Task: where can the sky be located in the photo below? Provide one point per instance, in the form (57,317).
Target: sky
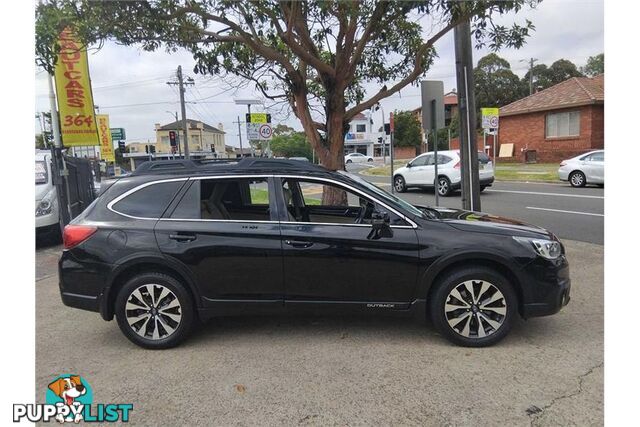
(131,85)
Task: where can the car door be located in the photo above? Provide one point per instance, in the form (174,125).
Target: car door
(596,168)
(225,231)
(418,173)
(330,257)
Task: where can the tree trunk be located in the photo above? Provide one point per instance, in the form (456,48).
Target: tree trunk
(334,160)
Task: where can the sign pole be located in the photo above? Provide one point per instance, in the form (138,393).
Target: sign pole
(435,150)
(391,131)
(59,166)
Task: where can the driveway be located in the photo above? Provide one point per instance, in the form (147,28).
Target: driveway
(337,370)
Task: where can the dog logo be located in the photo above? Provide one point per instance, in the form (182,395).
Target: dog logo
(72,392)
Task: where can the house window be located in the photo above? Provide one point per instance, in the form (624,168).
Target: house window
(563,124)
(361,128)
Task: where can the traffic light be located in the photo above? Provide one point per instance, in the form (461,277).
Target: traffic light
(121,146)
(387,128)
(146,149)
(379,140)
(152,149)
(172,138)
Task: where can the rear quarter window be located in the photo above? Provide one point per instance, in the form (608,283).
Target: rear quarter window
(150,201)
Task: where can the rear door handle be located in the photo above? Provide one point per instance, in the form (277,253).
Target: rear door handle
(298,243)
(183,237)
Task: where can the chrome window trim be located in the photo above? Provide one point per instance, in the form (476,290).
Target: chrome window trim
(244,176)
(133,190)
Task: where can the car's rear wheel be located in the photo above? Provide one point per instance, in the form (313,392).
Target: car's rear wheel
(348,161)
(370,160)
(577,179)
(473,307)
(154,310)
(399,184)
(444,186)
(482,187)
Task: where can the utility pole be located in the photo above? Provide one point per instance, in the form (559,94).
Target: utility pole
(531,62)
(181,84)
(466,101)
(240,136)
(60,171)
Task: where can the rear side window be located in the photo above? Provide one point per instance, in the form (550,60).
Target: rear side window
(149,201)
(243,199)
(442,159)
(483,158)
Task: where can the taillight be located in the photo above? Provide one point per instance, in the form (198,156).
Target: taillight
(456,166)
(75,234)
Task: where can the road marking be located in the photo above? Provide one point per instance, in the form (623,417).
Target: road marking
(545,194)
(561,211)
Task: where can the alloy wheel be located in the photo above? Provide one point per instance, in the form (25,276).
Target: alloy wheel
(577,179)
(399,184)
(475,309)
(153,311)
(443,186)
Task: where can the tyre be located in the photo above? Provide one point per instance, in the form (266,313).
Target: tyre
(370,160)
(444,186)
(154,311)
(348,161)
(399,184)
(482,187)
(473,306)
(577,179)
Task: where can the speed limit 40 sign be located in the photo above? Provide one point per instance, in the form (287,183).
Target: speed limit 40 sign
(265,131)
(490,118)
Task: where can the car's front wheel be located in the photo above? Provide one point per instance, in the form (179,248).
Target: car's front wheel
(473,306)
(444,186)
(349,161)
(154,310)
(577,179)
(399,184)
(370,160)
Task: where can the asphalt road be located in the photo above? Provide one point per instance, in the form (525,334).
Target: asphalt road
(337,370)
(570,213)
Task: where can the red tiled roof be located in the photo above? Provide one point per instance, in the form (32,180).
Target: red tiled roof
(359,116)
(573,92)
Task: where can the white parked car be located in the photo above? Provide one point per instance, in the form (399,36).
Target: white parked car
(47,213)
(584,169)
(357,158)
(420,172)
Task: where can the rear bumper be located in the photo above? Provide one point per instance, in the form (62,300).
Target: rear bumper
(82,285)
(484,182)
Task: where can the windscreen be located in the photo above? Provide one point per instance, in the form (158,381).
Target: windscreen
(41,172)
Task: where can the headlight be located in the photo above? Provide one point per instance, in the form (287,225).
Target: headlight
(549,249)
(45,206)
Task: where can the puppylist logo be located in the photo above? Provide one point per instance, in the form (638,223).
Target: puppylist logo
(69,398)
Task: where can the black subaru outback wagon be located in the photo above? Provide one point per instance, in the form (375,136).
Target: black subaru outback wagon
(178,241)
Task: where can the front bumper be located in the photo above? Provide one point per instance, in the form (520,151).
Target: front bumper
(549,287)
(563,174)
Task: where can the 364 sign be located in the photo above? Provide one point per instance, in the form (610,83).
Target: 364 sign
(73,90)
(490,118)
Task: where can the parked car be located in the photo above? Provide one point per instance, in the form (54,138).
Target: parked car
(357,158)
(47,213)
(420,172)
(301,159)
(183,240)
(583,169)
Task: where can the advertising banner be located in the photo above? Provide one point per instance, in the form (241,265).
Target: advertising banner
(73,91)
(106,143)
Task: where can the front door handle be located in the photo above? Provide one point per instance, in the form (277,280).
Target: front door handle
(298,243)
(183,237)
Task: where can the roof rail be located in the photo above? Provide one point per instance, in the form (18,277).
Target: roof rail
(154,167)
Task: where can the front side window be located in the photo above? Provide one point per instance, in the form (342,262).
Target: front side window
(41,173)
(563,124)
(419,161)
(320,202)
(150,201)
(597,157)
(242,199)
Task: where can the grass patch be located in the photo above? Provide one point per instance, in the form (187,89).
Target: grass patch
(259,197)
(541,172)
(384,170)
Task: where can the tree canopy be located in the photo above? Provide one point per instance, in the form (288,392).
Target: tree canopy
(313,55)
(495,84)
(407,130)
(594,66)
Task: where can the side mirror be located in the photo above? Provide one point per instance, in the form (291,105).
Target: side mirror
(409,165)
(380,225)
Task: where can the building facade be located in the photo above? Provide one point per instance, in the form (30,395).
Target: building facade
(203,138)
(557,123)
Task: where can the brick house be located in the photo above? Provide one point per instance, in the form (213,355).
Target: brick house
(559,122)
